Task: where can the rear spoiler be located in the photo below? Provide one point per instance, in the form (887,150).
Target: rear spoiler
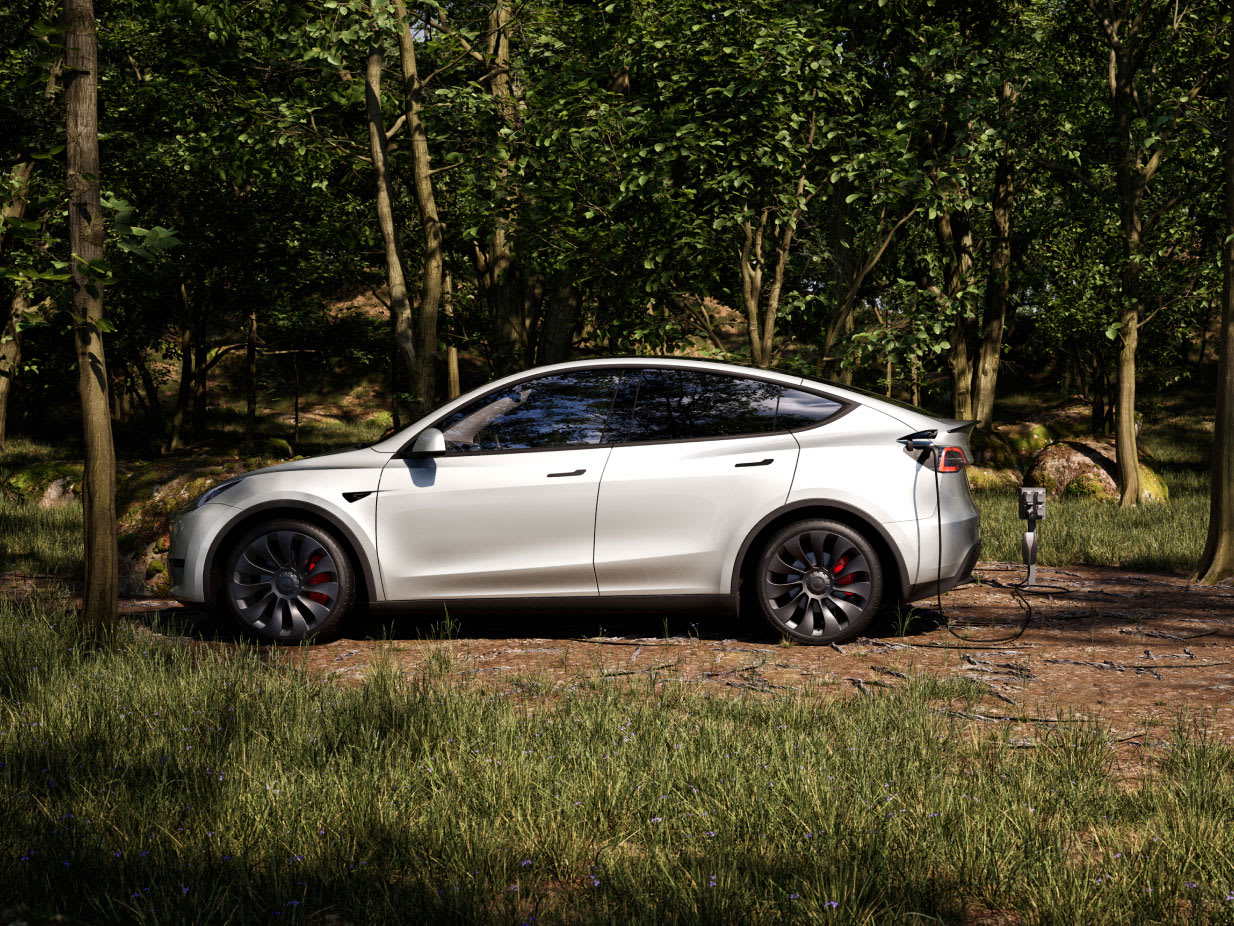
(958,426)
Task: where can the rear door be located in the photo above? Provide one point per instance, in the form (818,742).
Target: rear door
(509,508)
(700,463)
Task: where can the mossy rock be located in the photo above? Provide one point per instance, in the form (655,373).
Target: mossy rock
(991,477)
(1087,485)
(33,481)
(1088,468)
(278,447)
(1152,485)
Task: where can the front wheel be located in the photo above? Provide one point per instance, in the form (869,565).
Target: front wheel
(819,581)
(287,581)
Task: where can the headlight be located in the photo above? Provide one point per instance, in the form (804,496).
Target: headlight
(214,493)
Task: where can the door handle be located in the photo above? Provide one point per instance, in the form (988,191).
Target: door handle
(577,472)
(754,463)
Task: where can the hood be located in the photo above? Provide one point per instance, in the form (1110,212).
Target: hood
(351,458)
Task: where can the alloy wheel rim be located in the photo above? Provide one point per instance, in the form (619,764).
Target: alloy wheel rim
(285,583)
(817,583)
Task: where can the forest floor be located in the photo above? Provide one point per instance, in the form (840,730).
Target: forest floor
(1130,652)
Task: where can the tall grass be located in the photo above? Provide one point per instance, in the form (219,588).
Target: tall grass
(151,782)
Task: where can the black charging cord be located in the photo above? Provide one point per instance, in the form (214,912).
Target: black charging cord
(1019,591)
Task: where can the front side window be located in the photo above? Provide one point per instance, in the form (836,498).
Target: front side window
(563,410)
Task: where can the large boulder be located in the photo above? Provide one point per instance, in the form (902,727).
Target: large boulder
(1087,467)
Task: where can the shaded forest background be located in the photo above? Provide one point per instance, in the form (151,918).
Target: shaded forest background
(930,199)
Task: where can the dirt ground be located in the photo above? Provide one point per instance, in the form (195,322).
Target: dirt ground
(1132,652)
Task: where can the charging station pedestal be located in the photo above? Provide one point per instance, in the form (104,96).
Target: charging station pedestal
(1032,510)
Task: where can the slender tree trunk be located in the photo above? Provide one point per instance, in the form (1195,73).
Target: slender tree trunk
(501,280)
(201,371)
(955,238)
(184,394)
(400,304)
(557,333)
(250,405)
(994,315)
(154,407)
(1097,417)
(10,337)
(10,356)
(295,402)
(452,385)
(15,208)
(86,237)
(1217,563)
(422,184)
(1130,187)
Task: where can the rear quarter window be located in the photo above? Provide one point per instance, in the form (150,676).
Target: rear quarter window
(800,409)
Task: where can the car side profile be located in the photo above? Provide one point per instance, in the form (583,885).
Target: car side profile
(612,483)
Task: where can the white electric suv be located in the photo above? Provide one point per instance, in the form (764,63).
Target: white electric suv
(618,483)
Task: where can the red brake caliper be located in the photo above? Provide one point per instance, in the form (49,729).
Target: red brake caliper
(319,597)
(838,568)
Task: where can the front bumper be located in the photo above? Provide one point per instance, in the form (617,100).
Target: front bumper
(192,533)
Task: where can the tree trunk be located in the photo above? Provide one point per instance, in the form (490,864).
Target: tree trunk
(500,279)
(184,394)
(154,407)
(1097,417)
(400,304)
(557,332)
(994,315)
(200,370)
(86,237)
(422,184)
(15,208)
(250,405)
(955,238)
(10,356)
(295,402)
(1217,563)
(452,385)
(1131,183)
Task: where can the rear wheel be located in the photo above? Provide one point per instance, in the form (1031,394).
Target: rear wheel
(287,581)
(819,581)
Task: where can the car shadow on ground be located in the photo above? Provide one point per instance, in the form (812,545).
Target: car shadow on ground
(615,626)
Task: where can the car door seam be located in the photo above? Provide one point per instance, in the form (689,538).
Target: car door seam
(595,519)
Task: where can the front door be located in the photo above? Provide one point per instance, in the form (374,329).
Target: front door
(509,509)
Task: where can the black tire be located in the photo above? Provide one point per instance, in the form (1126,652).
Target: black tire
(288,580)
(801,593)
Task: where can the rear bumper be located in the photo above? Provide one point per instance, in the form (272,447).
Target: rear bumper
(947,583)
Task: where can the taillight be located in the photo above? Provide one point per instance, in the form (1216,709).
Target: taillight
(951,460)
(941,459)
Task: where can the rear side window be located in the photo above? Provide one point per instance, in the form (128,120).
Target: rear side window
(801,409)
(686,404)
(671,405)
(564,410)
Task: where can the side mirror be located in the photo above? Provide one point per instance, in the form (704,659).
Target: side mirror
(429,443)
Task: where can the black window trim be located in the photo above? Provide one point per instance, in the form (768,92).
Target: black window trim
(846,406)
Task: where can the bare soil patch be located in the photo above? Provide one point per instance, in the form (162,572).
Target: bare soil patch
(1129,651)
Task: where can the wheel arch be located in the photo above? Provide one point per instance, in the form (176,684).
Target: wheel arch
(212,571)
(888,553)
